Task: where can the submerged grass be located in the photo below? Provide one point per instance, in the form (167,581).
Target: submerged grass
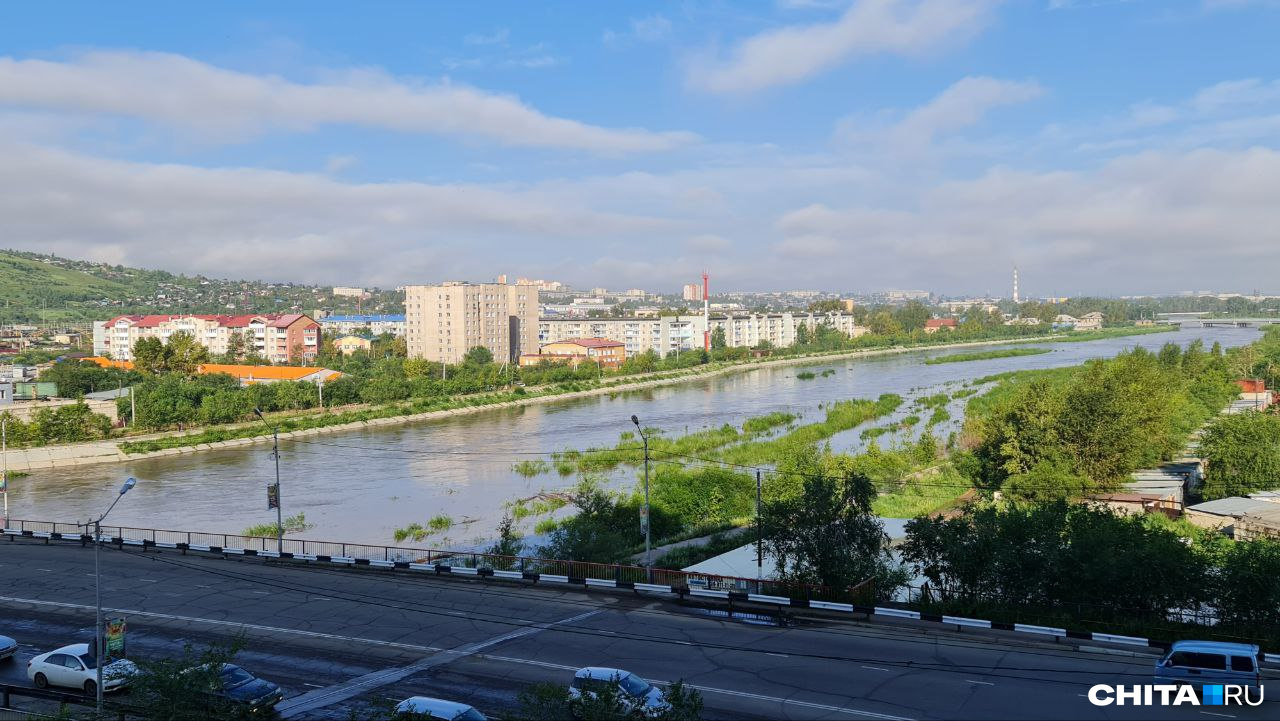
(986,355)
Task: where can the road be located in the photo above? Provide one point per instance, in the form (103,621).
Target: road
(337,638)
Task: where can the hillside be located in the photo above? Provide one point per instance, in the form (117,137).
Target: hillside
(36,287)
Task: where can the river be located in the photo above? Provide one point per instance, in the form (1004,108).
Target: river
(359,486)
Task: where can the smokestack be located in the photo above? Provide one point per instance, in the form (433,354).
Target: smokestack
(1015,284)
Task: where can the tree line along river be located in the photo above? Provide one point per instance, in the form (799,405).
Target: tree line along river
(360,486)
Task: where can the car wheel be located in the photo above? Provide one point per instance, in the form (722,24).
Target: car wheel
(90,688)
(41,681)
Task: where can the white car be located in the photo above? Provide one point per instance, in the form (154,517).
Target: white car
(435,708)
(633,691)
(74,667)
(8,647)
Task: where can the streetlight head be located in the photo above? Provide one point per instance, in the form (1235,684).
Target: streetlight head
(129,483)
(636,421)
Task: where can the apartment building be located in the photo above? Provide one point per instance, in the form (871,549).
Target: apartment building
(443,322)
(607,353)
(377,324)
(779,329)
(668,334)
(663,335)
(280,338)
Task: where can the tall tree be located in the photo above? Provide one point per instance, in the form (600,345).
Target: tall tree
(150,356)
(184,354)
(828,535)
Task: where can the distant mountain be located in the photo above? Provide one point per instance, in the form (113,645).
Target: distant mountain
(35,287)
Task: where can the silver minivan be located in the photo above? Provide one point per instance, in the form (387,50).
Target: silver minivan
(1210,662)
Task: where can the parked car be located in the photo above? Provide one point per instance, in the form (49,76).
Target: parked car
(633,691)
(8,647)
(75,667)
(235,685)
(1210,662)
(435,708)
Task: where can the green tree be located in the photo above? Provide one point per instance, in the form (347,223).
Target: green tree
(828,535)
(718,340)
(1242,454)
(478,356)
(184,688)
(149,356)
(184,354)
(826,306)
(912,315)
(883,323)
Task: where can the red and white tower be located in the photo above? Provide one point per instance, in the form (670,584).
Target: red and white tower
(706,312)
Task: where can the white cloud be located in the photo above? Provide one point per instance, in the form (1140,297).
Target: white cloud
(794,53)
(498,37)
(242,222)
(906,135)
(964,104)
(220,104)
(1141,222)
(1235,93)
(652,29)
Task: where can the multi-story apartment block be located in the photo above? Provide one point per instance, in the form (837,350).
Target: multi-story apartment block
(692,291)
(377,324)
(280,338)
(443,322)
(668,334)
(663,335)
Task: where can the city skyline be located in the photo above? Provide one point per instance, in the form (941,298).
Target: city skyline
(1103,148)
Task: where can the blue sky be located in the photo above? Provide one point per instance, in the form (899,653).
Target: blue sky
(1121,146)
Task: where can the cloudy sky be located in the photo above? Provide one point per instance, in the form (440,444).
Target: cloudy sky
(1104,146)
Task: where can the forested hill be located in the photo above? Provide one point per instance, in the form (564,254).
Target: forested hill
(36,287)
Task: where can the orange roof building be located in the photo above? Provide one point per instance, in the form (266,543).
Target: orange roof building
(246,374)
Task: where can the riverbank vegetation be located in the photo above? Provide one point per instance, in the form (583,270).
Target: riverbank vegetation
(292,524)
(1062,564)
(1070,432)
(986,355)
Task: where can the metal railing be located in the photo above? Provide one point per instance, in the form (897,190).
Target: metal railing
(861,595)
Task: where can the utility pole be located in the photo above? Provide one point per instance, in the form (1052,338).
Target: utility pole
(99,646)
(275,451)
(4,472)
(759,538)
(644,520)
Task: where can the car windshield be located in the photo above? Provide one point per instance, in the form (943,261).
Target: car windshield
(470,715)
(634,685)
(233,676)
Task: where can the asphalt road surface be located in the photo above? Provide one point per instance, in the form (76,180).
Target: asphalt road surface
(336,639)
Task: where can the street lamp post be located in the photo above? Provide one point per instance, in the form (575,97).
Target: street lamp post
(648,557)
(275,451)
(99,645)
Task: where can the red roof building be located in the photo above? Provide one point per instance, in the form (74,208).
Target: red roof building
(933,325)
(278,337)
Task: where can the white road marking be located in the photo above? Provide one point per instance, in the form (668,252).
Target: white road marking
(984,683)
(779,655)
(50,570)
(313,685)
(877,668)
(416,647)
(1223,715)
(330,695)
